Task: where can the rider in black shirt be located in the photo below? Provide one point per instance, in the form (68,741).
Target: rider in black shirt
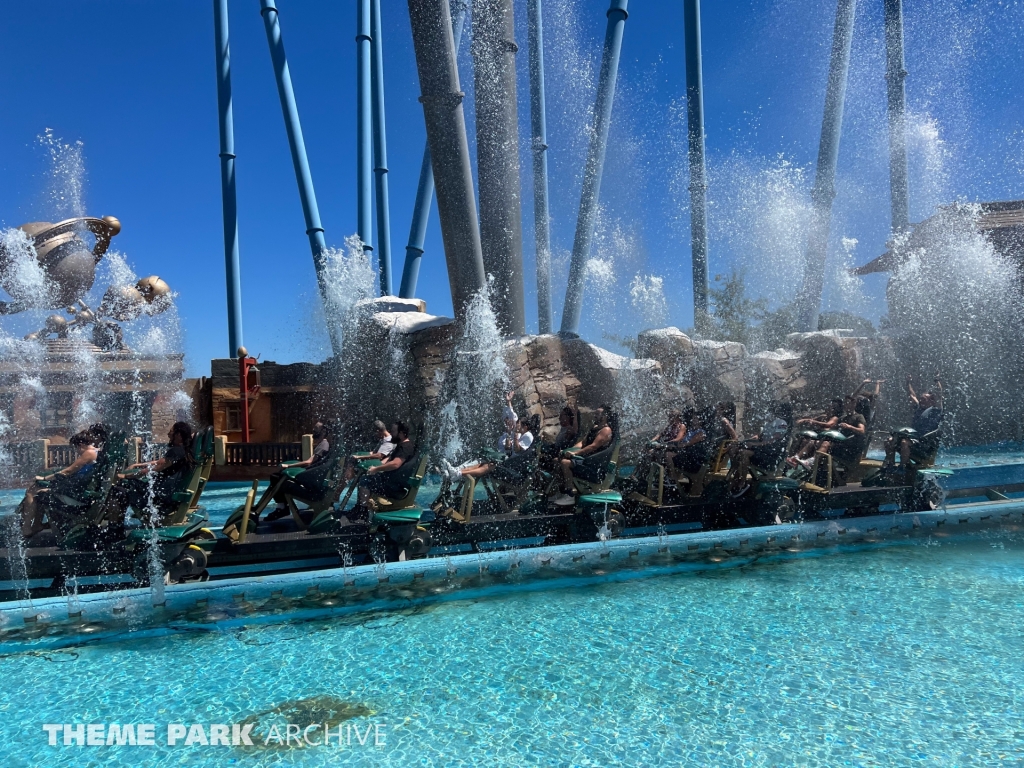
(167,472)
(387,479)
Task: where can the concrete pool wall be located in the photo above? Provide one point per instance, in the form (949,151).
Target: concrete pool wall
(336,592)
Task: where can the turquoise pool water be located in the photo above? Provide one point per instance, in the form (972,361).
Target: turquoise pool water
(901,655)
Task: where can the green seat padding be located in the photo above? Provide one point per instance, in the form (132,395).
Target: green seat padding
(606,497)
(398,516)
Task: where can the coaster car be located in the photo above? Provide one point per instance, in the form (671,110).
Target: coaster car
(314,534)
(833,488)
(317,495)
(89,540)
(325,528)
(657,502)
(510,507)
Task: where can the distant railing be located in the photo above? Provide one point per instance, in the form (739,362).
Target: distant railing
(23,460)
(23,455)
(261,454)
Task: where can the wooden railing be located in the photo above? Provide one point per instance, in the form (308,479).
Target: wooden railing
(60,455)
(261,454)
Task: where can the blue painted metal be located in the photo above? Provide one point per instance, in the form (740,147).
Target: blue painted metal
(809,300)
(307,195)
(364,127)
(617,15)
(425,190)
(497,159)
(232,269)
(698,171)
(445,121)
(539,129)
(895,76)
(380,153)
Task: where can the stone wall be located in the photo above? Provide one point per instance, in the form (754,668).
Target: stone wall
(394,367)
(404,355)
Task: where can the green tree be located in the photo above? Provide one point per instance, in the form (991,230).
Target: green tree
(735,316)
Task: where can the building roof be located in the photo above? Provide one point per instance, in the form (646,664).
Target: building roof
(1002,222)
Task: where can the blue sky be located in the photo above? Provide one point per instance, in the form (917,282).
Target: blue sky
(135,83)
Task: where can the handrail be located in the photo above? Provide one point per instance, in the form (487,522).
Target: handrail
(249,498)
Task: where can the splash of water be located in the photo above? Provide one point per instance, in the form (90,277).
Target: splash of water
(470,414)
(647,295)
(956,309)
(64,194)
(761,208)
(20,270)
(350,278)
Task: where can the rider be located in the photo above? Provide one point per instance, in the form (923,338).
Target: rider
(830,420)
(167,473)
(568,432)
(309,482)
(589,462)
(866,402)
(690,454)
(515,464)
(854,427)
(927,420)
(507,441)
(674,430)
(65,480)
(385,445)
(722,423)
(381,479)
(764,451)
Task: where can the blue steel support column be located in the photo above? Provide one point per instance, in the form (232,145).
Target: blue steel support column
(425,189)
(809,300)
(538,125)
(380,154)
(572,309)
(445,121)
(698,171)
(497,159)
(364,127)
(307,195)
(895,75)
(232,269)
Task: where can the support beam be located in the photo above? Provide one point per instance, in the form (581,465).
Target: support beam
(380,154)
(425,189)
(895,76)
(497,159)
(307,195)
(539,145)
(364,127)
(809,299)
(449,147)
(232,269)
(617,15)
(698,170)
